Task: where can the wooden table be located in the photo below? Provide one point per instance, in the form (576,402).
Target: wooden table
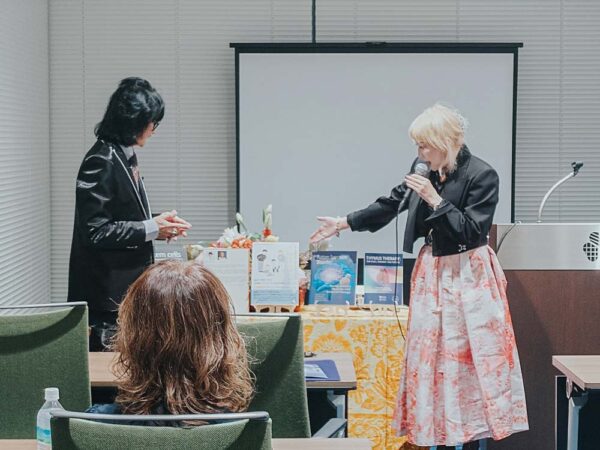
(102,376)
(337,391)
(278,444)
(322,444)
(583,375)
(583,370)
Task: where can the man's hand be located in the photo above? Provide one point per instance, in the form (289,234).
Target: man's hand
(170,226)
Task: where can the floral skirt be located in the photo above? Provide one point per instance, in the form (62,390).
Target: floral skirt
(462,378)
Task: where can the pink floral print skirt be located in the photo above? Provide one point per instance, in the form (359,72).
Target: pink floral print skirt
(462,378)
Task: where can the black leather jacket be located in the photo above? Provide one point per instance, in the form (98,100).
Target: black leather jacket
(461,223)
(108,251)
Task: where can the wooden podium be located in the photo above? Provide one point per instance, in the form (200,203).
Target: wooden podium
(553,272)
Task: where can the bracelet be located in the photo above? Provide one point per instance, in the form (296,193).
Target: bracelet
(337,226)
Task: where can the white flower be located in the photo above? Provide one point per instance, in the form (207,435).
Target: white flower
(268,217)
(240,221)
(229,235)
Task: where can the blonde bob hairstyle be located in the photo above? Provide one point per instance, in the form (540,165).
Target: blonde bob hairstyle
(441,128)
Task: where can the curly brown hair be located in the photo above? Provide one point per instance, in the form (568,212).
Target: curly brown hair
(179,346)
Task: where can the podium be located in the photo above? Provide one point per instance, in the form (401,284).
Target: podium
(553,273)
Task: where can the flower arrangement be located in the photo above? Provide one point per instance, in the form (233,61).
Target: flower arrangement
(239,236)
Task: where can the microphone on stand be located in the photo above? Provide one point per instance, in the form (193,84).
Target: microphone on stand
(576,165)
(421,168)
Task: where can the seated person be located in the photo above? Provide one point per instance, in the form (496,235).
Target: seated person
(180,351)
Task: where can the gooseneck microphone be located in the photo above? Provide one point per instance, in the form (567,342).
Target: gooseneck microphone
(575,165)
(421,168)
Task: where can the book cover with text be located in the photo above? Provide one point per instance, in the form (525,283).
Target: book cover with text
(333,278)
(383,276)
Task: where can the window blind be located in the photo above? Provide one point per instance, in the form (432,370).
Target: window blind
(24,154)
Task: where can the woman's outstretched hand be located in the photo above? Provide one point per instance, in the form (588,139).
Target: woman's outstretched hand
(330,226)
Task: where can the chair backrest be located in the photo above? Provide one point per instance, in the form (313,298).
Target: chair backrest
(239,431)
(40,350)
(276,347)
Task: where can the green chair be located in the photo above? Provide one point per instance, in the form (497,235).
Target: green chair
(238,431)
(40,350)
(275,345)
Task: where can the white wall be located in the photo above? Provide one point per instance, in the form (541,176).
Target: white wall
(182,47)
(24,153)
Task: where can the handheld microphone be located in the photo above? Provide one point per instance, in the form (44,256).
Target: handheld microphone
(421,168)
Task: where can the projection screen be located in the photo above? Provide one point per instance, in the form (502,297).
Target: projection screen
(322,129)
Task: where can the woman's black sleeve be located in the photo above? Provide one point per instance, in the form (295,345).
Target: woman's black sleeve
(379,213)
(469,225)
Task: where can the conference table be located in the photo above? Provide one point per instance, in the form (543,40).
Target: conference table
(278,444)
(101,374)
(583,376)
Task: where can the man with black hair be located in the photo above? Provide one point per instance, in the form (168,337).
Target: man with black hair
(114,226)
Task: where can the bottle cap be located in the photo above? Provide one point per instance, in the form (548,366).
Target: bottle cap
(50,394)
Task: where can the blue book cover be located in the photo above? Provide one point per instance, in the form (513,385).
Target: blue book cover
(320,370)
(333,278)
(381,278)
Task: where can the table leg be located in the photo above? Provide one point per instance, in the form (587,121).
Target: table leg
(340,402)
(577,400)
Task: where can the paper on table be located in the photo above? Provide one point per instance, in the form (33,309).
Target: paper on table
(274,273)
(313,371)
(231,266)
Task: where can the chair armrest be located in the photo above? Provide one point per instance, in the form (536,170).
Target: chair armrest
(333,428)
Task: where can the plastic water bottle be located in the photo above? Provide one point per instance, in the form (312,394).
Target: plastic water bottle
(44,441)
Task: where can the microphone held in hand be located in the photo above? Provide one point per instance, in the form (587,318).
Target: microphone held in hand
(421,168)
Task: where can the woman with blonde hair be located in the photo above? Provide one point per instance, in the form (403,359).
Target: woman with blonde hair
(179,349)
(461,379)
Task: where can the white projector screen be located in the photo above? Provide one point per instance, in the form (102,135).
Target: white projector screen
(325,133)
